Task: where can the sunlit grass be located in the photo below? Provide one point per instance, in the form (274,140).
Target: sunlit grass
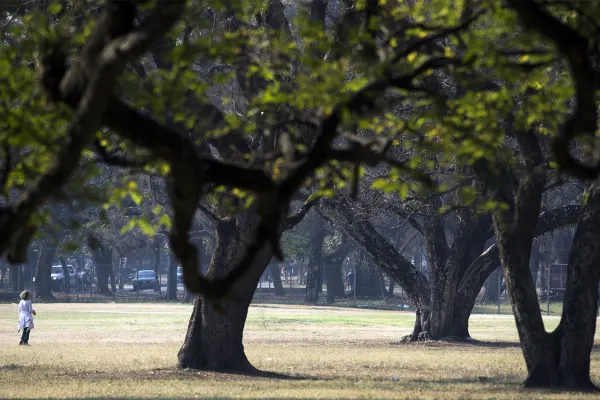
(129,351)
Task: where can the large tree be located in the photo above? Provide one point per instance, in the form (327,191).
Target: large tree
(308,102)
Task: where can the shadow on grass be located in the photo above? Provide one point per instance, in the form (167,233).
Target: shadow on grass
(491,345)
(232,375)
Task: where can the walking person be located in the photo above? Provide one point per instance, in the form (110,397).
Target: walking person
(26,313)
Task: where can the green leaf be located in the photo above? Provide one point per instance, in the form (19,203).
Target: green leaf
(54,8)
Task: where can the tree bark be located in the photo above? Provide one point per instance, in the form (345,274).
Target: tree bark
(333,269)
(562,359)
(43,270)
(337,279)
(103,262)
(387,257)
(390,291)
(515,233)
(172,280)
(156,262)
(369,283)
(277,284)
(465,275)
(214,339)
(314,264)
(578,322)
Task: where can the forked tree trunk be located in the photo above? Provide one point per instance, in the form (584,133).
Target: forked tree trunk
(515,232)
(172,279)
(214,339)
(277,284)
(565,361)
(43,271)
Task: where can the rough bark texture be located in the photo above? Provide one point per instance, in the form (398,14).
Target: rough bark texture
(515,232)
(43,270)
(172,278)
(578,323)
(561,359)
(214,339)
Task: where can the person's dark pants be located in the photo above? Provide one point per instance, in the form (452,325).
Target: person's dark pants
(25,336)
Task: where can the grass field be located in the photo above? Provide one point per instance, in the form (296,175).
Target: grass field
(129,351)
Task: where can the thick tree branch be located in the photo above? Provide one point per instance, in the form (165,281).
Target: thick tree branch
(577,49)
(489,260)
(110,46)
(299,215)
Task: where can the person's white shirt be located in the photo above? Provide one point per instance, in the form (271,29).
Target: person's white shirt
(26,313)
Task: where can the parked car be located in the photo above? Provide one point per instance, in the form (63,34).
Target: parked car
(58,277)
(145,279)
(179,275)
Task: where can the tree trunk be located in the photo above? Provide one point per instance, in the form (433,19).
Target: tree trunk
(103,262)
(277,284)
(172,280)
(337,279)
(566,360)
(113,281)
(390,291)
(66,273)
(387,257)
(15,281)
(43,270)
(214,339)
(156,263)
(334,280)
(515,232)
(369,281)
(314,264)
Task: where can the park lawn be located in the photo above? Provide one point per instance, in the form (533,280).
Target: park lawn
(129,351)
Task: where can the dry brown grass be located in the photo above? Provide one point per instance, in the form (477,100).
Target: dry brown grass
(129,351)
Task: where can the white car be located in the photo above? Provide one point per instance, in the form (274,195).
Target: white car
(58,277)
